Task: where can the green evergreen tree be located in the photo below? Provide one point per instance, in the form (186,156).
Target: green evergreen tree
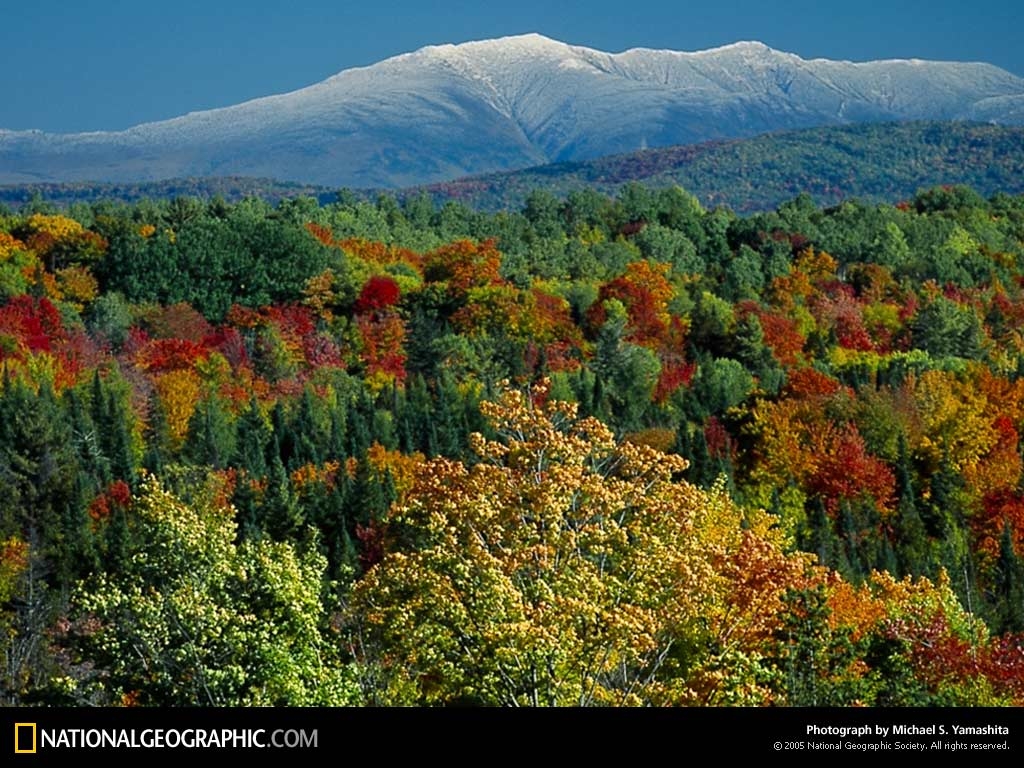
(281,514)
(157,439)
(119,444)
(38,467)
(336,440)
(819,536)
(1008,586)
(253,441)
(359,437)
(912,550)
(250,523)
(98,439)
(811,656)
(212,437)
(94,467)
(308,440)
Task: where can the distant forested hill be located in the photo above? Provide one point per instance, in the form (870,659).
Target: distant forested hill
(881,163)
(231,188)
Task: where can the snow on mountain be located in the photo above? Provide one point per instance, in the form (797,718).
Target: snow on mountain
(449,110)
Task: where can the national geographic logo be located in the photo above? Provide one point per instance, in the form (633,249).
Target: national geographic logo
(24,738)
(29,738)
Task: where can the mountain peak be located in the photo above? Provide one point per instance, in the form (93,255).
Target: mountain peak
(527,42)
(741,45)
(528,38)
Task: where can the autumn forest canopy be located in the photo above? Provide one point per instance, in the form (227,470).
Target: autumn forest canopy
(600,451)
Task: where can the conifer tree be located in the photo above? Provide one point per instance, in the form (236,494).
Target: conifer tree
(1009,586)
(252,444)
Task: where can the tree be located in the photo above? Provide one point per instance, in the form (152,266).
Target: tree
(943,328)
(630,371)
(563,568)
(179,392)
(814,656)
(1009,586)
(196,619)
(211,437)
(720,384)
(542,210)
(38,469)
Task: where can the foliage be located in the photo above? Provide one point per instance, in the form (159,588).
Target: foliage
(581,453)
(195,619)
(564,568)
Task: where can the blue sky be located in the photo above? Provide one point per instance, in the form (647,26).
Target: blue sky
(109,64)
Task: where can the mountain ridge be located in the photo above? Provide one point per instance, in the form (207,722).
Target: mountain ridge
(446,111)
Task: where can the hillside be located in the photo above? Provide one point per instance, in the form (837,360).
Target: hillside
(884,162)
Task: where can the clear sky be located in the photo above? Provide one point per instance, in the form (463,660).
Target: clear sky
(110,64)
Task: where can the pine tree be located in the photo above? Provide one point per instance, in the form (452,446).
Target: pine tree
(119,445)
(157,439)
(419,409)
(92,462)
(946,510)
(808,653)
(1009,586)
(249,511)
(97,440)
(819,537)
(98,401)
(307,439)
(702,467)
(450,427)
(358,431)
(338,437)
(683,444)
(253,440)
(281,514)
(283,445)
(38,465)
(212,437)
(371,496)
(336,528)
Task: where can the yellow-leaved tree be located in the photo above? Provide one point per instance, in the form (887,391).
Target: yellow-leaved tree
(565,568)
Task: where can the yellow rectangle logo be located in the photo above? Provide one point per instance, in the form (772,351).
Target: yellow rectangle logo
(20,730)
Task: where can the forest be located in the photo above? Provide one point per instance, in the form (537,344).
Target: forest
(598,451)
(880,162)
(874,162)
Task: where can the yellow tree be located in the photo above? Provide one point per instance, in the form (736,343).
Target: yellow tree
(563,568)
(956,419)
(179,392)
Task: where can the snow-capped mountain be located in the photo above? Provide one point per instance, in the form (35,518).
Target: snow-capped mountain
(450,110)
